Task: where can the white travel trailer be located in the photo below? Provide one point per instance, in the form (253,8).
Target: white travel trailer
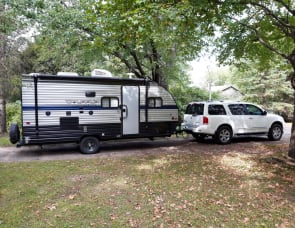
(87,110)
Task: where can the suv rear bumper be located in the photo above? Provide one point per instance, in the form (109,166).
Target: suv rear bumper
(202,129)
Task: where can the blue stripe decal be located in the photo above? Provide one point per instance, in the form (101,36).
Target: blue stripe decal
(162,107)
(46,108)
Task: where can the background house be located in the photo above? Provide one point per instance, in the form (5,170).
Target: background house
(228,92)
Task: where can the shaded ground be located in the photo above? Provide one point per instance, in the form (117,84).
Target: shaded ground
(135,147)
(169,182)
(129,148)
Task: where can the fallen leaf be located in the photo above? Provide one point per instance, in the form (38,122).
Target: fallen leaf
(246,220)
(72,196)
(52,207)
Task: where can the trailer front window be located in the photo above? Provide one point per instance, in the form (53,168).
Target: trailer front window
(155,102)
(110,102)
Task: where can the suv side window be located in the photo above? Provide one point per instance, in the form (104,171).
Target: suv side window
(253,110)
(195,109)
(216,110)
(237,109)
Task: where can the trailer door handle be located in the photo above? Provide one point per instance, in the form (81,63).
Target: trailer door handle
(124,111)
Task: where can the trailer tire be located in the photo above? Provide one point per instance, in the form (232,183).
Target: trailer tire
(14,133)
(89,145)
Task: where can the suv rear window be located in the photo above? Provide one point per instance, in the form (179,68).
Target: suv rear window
(195,109)
(216,110)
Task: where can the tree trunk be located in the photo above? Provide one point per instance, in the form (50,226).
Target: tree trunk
(291,152)
(292,138)
(2,116)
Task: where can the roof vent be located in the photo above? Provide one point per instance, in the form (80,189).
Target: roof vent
(67,74)
(101,73)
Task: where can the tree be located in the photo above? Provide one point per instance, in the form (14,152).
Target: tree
(13,24)
(262,86)
(9,61)
(147,37)
(257,30)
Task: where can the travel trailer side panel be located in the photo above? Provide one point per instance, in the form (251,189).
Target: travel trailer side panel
(58,109)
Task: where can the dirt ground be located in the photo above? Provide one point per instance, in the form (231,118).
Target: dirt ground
(136,147)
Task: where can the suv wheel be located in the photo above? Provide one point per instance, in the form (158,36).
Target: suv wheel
(275,132)
(223,135)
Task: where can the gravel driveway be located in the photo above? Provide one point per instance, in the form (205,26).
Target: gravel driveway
(121,148)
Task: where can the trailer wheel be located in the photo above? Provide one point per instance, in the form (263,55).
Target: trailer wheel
(14,134)
(89,145)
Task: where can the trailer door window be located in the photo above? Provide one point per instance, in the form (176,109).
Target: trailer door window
(155,102)
(110,102)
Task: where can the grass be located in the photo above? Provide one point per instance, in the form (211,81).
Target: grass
(178,189)
(4,140)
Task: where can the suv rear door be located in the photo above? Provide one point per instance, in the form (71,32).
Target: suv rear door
(217,115)
(239,118)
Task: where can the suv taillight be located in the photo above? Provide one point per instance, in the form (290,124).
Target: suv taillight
(205,120)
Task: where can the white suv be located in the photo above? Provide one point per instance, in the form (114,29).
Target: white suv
(223,120)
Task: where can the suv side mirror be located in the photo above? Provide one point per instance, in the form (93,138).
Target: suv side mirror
(264,113)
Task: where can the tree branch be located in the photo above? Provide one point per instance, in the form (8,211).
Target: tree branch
(260,39)
(137,62)
(281,22)
(292,11)
(155,57)
(129,66)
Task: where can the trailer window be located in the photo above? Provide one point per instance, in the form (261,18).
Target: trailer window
(90,94)
(110,102)
(155,102)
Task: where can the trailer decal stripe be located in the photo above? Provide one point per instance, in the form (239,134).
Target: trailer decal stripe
(162,107)
(32,108)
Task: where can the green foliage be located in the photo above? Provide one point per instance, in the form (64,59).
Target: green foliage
(146,38)
(255,30)
(262,86)
(11,26)
(265,86)
(284,109)
(184,94)
(13,114)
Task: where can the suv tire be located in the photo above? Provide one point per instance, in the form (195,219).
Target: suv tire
(223,135)
(275,132)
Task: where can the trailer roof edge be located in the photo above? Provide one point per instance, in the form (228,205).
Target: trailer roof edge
(85,78)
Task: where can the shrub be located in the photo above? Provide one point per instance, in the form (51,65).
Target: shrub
(13,114)
(283,109)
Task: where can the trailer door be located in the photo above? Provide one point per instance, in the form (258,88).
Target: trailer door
(130,110)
